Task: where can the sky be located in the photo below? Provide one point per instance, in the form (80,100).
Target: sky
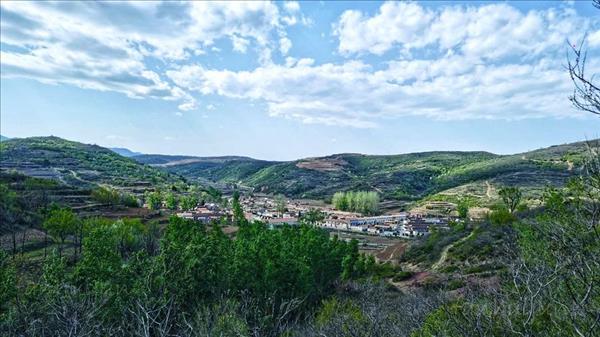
(287,80)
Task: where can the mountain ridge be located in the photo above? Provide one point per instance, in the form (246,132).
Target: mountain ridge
(408,177)
(402,176)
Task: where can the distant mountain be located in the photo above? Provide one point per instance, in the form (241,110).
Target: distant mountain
(78,164)
(124,152)
(2,138)
(403,177)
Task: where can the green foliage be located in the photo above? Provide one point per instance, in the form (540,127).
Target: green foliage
(313,217)
(485,242)
(74,161)
(402,276)
(154,200)
(171,201)
(511,196)
(129,200)
(549,286)
(280,204)
(8,283)
(404,177)
(501,216)
(106,195)
(239,218)
(334,308)
(61,223)
(361,201)
(188,202)
(428,249)
(462,208)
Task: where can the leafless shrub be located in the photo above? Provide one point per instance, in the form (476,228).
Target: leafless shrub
(586,92)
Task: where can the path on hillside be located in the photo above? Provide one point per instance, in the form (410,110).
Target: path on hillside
(488,192)
(444,254)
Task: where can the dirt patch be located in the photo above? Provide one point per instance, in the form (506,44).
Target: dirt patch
(324,165)
(392,253)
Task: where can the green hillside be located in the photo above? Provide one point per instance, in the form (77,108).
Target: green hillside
(403,177)
(77,164)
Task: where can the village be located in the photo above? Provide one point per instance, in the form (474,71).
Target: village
(279,211)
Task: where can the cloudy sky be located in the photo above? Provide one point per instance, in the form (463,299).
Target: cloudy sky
(292,79)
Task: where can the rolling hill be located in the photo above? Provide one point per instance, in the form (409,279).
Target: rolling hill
(435,176)
(125,152)
(77,164)
(400,177)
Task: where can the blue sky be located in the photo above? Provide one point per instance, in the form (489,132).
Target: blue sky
(287,80)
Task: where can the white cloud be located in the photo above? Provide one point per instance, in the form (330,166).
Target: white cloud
(106,46)
(490,31)
(353,94)
(187,106)
(594,39)
(240,44)
(396,23)
(291,6)
(453,62)
(284,45)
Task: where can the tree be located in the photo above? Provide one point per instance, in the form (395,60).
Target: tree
(340,201)
(280,204)
(313,217)
(511,196)
(239,218)
(129,233)
(188,202)
(106,195)
(365,202)
(61,223)
(154,200)
(462,208)
(171,201)
(586,93)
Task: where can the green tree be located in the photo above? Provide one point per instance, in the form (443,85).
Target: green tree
(188,202)
(106,196)
(339,201)
(462,208)
(511,196)
(154,200)
(239,218)
(365,202)
(280,204)
(60,224)
(313,217)
(171,201)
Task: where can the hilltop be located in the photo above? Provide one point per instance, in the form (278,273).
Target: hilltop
(125,152)
(434,175)
(77,164)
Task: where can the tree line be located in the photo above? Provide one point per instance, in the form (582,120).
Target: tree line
(365,202)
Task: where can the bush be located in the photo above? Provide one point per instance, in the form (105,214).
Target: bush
(402,276)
